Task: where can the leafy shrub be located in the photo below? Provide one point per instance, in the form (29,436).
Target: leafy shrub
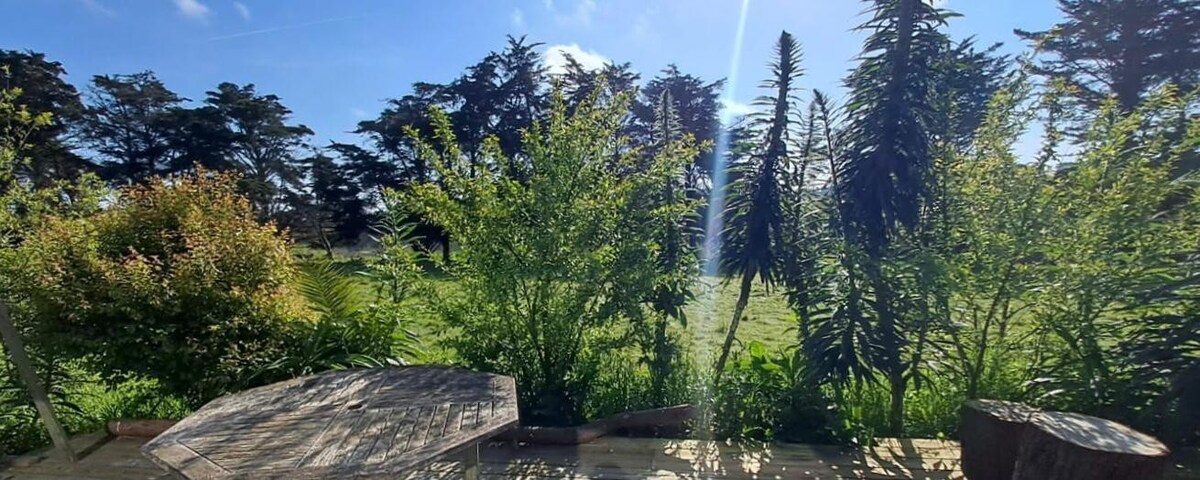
(399,266)
(175,281)
(83,403)
(621,385)
(766,395)
(99,402)
(20,425)
(346,332)
(1115,258)
(555,254)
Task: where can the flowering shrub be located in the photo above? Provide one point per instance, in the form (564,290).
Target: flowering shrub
(175,280)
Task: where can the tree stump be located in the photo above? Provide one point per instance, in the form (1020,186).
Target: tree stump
(1061,446)
(991,434)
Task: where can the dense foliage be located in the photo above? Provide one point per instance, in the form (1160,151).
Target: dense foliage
(556,253)
(916,258)
(174,280)
(1126,49)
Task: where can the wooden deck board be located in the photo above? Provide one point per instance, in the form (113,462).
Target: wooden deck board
(610,458)
(338,423)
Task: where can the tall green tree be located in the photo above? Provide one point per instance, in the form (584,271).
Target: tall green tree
(264,144)
(499,96)
(887,161)
(579,82)
(333,209)
(965,78)
(128,122)
(394,161)
(199,136)
(1121,48)
(365,169)
(754,215)
(44,90)
(698,105)
(582,86)
(520,93)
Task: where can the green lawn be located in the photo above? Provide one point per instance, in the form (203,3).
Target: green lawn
(767,318)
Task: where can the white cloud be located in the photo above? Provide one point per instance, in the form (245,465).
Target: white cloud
(732,110)
(192,9)
(96,7)
(359,113)
(242,10)
(556,58)
(517,19)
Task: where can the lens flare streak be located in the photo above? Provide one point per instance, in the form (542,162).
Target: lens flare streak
(714,224)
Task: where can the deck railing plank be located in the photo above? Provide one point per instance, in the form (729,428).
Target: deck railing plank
(610,458)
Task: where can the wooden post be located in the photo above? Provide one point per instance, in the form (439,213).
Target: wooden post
(1063,446)
(16,351)
(471,463)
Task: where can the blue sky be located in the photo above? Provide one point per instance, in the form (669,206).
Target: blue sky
(335,62)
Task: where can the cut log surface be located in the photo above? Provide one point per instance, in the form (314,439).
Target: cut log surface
(991,437)
(1060,446)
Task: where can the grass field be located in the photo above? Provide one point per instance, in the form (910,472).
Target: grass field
(767,317)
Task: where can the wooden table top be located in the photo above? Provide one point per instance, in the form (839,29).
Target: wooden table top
(348,423)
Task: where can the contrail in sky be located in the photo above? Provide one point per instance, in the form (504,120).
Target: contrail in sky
(280,29)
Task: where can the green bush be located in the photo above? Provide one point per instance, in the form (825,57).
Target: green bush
(765,395)
(622,385)
(347,330)
(556,251)
(174,281)
(83,403)
(20,426)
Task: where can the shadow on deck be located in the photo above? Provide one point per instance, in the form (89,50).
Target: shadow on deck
(104,458)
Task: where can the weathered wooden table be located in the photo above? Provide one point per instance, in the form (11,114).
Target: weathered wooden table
(350,423)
